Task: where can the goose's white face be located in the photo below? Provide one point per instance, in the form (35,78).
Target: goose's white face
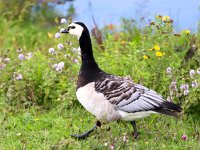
(75,29)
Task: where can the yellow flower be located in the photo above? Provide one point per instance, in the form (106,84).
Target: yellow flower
(165,18)
(50,35)
(36,119)
(145,57)
(146,142)
(159,54)
(158,17)
(185,31)
(123,42)
(156,47)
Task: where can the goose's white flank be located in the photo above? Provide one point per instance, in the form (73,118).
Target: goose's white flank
(109,97)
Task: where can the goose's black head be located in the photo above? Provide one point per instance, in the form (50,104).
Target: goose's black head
(80,30)
(77,29)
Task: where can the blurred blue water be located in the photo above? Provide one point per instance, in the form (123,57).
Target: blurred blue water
(185,13)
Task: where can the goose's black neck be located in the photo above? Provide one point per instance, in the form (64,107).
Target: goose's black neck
(89,71)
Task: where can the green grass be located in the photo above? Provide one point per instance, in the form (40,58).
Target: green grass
(36,128)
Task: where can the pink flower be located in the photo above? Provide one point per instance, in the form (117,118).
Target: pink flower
(112,147)
(184,137)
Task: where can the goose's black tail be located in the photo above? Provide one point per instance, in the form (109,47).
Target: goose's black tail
(169,108)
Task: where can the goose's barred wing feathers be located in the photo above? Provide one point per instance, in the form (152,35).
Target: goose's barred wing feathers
(130,97)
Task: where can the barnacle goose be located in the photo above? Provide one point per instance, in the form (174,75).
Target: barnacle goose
(110,97)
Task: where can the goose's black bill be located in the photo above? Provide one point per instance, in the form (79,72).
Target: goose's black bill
(65,31)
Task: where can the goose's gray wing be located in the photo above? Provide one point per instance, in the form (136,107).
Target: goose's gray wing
(130,97)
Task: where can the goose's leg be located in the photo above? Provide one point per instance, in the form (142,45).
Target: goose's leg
(135,132)
(87,133)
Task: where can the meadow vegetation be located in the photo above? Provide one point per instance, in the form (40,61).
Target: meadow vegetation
(39,68)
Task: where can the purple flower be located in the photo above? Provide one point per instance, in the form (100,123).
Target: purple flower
(55,66)
(169,70)
(186,92)
(57,35)
(60,46)
(194,84)
(17,76)
(2,66)
(21,57)
(7,60)
(192,73)
(61,65)
(63,20)
(184,87)
(184,137)
(51,50)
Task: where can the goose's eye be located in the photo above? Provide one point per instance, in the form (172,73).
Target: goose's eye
(73,27)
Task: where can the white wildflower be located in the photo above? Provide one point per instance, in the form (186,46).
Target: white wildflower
(60,46)
(19,50)
(75,61)
(169,70)
(198,71)
(192,73)
(7,60)
(186,92)
(51,50)
(58,69)
(63,20)
(74,50)
(57,35)
(29,55)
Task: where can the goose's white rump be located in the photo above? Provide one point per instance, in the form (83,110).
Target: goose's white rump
(97,104)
